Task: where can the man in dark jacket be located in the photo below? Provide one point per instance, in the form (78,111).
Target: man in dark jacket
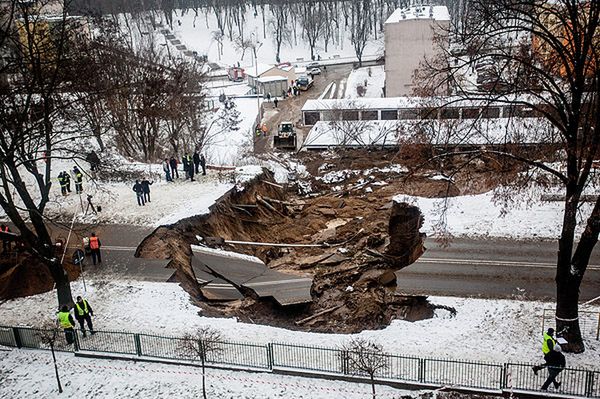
(173,164)
(78,180)
(203,164)
(146,189)
(139,191)
(67,178)
(84,313)
(196,160)
(186,165)
(62,180)
(556,363)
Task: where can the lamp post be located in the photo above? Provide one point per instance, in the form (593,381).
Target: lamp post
(255,48)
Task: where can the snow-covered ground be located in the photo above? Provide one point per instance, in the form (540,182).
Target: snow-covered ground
(30,374)
(197,34)
(482,216)
(358,77)
(513,326)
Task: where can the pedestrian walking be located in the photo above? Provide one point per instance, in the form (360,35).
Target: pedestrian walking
(6,247)
(95,245)
(83,314)
(556,363)
(268,97)
(548,344)
(78,180)
(190,166)
(203,164)
(275,101)
(196,159)
(67,178)
(139,192)
(173,164)
(63,183)
(166,169)
(146,189)
(65,320)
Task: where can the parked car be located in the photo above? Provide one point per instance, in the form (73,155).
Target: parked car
(314,71)
(312,65)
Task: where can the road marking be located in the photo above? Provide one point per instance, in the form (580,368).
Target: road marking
(482,262)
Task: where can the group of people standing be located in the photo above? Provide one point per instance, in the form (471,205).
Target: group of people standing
(64,179)
(83,314)
(191,166)
(142,191)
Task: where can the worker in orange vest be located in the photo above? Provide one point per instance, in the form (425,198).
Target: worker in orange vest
(95,245)
(264,129)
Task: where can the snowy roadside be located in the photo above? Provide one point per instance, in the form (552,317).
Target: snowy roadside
(513,326)
(27,374)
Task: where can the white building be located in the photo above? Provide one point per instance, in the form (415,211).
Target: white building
(409,38)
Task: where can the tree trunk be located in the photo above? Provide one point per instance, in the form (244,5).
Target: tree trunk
(373,386)
(63,288)
(567,315)
(203,379)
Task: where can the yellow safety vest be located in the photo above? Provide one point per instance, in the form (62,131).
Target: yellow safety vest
(80,311)
(545,348)
(63,318)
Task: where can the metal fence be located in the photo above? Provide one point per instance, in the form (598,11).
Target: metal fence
(313,360)
(589,323)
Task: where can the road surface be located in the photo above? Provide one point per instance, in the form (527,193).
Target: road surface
(492,269)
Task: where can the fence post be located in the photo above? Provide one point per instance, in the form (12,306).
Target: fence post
(138,344)
(598,328)
(17,336)
(589,383)
(270,355)
(504,379)
(344,355)
(76,346)
(421,370)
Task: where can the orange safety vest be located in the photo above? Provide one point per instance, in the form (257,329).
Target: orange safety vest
(94,244)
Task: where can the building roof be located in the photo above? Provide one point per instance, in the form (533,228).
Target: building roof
(268,79)
(258,70)
(437,13)
(325,134)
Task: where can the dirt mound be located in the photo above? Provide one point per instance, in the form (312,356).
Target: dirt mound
(25,275)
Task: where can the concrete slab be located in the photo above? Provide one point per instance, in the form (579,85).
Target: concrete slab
(217,289)
(124,264)
(253,274)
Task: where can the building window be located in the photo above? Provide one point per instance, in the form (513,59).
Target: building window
(428,113)
(310,118)
(408,114)
(349,115)
(369,115)
(491,113)
(450,113)
(470,113)
(389,115)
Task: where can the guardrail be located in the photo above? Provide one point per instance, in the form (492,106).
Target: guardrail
(317,361)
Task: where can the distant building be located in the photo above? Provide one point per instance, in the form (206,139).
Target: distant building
(409,38)
(265,78)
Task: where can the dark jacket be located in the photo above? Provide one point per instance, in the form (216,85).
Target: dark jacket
(146,186)
(173,163)
(202,160)
(90,311)
(555,359)
(137,187)
(196,158)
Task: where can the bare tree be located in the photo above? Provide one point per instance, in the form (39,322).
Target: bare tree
(360,356)
(312,21)
(360,26)
(547,56)
(279,26)
(201,345)
(36,123)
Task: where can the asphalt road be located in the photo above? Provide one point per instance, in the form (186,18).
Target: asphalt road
(492,269)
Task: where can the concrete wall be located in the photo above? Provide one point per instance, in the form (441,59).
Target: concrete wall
(407,43)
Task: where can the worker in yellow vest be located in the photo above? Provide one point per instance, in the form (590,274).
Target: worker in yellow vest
(547,347)
(65,320)
(84,313)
